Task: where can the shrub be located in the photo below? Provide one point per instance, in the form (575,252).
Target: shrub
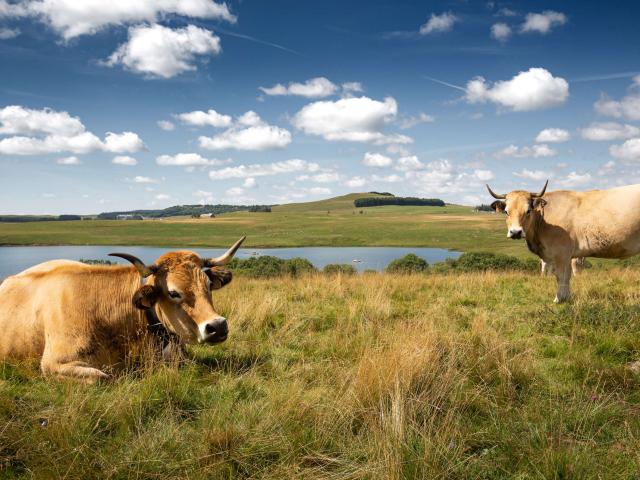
(484,208)
(480,261)
(297,266)
(410,263)
(259,267)
(94,261)
(268,266)
(342,268)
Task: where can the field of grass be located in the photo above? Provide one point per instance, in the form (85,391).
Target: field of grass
(333,222)
(461,376)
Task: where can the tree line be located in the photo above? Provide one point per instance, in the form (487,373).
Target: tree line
(378,201)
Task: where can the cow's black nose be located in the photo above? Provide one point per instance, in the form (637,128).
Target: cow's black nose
(215,330)
(515,233)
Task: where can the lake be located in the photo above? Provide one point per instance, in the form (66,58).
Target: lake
(16,259)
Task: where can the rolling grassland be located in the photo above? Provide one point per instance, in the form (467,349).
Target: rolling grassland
(374,376)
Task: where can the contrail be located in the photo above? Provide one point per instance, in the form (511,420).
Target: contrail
(610,76)
(257,40)
(457,87)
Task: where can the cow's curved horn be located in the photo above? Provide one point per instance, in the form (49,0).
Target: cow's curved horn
(226,257)
(495,195)
(143,269)
(544,189)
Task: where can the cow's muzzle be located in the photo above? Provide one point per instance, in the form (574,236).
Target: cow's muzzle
(214,331)
(514,233)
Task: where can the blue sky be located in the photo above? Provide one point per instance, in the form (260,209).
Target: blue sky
(120,105)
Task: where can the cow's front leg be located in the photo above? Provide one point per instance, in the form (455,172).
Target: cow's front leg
(562,269)
(77,369)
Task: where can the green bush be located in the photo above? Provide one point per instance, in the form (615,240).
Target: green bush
(343,268)
(297,266)
(259,267)
(94,261)
(410,263)
(480,261)
(268,266)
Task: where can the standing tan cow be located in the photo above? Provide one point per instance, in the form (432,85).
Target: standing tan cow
(564,224)
(82,319)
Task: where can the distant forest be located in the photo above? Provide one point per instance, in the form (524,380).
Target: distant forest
(38,218)
(185,210)
(390,200)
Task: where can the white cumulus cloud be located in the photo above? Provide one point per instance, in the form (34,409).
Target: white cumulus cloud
(165,125)
(438,23)
(38,132)
(354,119)
(500,31)
(313,88)
(607,131)
(141,179)
(376,160)
(543,22)
(72,18)
(256,138)
(158,51)
(629,150)
(409,162)
(553,135)
(210,118)
(123,142)
(535,89)
(574,179)
(260,170)
(355,182)
(535,151)
(18,120)
(187,160)
(410,122)
(628,107)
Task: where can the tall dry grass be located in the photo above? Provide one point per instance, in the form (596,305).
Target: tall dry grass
(372,376)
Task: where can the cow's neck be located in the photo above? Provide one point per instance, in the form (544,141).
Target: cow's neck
(157,329)
(532,233)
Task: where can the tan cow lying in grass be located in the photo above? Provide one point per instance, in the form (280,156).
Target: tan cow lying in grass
(80,320)
(565,224)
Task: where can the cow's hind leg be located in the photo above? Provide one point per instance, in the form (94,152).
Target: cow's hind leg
(76,369)
(562,269)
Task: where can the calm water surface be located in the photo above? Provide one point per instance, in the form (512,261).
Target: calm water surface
(16,259)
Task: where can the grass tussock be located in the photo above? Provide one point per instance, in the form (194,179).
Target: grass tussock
(372,376)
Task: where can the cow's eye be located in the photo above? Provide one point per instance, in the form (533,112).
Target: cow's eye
(174,294)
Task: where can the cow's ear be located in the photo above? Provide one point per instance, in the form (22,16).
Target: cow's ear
(146,297)
(539,202)
(218,277)
(499,206)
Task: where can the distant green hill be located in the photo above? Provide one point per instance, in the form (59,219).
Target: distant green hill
(182,210)
(343,202)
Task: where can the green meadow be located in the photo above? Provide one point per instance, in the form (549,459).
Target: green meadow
(333,222)
(374,376)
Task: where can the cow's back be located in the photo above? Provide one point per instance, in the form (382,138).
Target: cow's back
(602,223)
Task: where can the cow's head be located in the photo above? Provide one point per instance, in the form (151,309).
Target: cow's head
(518,205)
(179,285)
